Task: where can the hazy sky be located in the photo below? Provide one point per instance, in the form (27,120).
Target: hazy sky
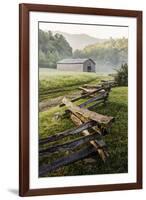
(92,30)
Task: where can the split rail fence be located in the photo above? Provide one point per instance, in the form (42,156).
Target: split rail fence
(90,127)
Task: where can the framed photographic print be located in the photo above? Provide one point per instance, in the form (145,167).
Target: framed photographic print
(80,99)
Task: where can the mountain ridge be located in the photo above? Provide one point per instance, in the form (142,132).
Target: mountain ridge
(79,41)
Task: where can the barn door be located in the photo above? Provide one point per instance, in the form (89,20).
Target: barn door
(89,68)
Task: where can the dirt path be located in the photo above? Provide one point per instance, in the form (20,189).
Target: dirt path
(45,105)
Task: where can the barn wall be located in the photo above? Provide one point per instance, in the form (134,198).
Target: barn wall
(89,63)
(70,67)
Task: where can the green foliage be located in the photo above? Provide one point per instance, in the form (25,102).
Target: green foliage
(122,75)
(52,48)
(107,55)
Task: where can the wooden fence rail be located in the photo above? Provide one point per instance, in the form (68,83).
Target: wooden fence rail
(90,129)
(73,131)
(84,96)
(69,145)
(47,168)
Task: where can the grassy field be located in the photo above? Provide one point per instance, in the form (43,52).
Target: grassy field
(53,83)
(117,140)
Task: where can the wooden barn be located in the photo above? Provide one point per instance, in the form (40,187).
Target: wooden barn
(77,65)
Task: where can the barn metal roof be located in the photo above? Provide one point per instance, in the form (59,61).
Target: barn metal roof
(74,61)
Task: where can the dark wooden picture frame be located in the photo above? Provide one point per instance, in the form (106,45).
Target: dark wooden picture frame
(24,10)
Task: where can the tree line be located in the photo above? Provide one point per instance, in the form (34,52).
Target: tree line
(108,55)
(52,48)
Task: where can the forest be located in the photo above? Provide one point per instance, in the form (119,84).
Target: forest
(52,48)
(108,55)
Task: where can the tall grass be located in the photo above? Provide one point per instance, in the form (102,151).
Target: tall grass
(56,79)
(51,81)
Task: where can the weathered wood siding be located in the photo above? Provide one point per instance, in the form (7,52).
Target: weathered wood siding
(89,63)
(70,67)
(86,66)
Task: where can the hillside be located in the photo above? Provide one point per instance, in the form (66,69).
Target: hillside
(108,55)
(52,47)
(79,41)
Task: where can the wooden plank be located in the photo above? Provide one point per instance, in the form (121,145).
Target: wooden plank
(87,114)
(86,90)
(66,133)
(97,98)
(102,152)
(108,81)
(90,90)
(92,86)
(109,84)
(97,103)
(66,160)
(71,145)
(83,96)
